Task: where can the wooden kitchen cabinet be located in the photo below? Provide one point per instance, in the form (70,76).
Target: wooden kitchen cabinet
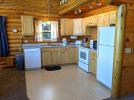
(93,61)
(104,19)
(73,55)
(51,56)
(113,17)
(93,20)
(46,58)
(56,56)
(27,25)
(77,26)
(66,26)
(84,25)
(65,55)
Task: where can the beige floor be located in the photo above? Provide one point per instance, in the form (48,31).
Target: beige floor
(70,83)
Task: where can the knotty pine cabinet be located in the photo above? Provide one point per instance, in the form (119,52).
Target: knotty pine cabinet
(63,55)
(104,19)
(92,21)
(66,55)
(77,26)
(93,61)
(73,54)
(27,25)
(66,26)
(113,17)
(51,56)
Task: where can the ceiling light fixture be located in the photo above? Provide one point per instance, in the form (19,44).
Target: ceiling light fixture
(78,11)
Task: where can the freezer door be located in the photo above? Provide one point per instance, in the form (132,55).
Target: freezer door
(106,36)
(105,65)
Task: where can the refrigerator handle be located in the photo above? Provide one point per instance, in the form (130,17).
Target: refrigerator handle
(97,51)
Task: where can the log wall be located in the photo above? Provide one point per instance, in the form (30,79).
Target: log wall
(127,80)
(13,9)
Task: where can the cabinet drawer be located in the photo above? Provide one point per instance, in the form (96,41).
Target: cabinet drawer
(46,49)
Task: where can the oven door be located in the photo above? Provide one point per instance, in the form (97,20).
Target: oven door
(84,55)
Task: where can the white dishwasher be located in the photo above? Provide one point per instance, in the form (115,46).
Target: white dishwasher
(32,58)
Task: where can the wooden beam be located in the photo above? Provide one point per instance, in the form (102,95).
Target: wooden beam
(118,52)
(72,4)
(119,2)
(100,10)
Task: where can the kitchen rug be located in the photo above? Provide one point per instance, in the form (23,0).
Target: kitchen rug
(12,85)
(52,68)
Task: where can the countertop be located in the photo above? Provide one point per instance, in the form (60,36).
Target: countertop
(53,45)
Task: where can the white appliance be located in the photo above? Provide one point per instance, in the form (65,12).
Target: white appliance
(105,55)
(84,58)
(32,58)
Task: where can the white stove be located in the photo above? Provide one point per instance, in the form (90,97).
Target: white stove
(84,58)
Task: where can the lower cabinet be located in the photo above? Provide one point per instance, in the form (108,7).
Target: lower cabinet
(66,55)
(46,58)
(73,54)
(55,56)
(93,61)
(51,56)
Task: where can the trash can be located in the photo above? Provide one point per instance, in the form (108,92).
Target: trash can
(20,61)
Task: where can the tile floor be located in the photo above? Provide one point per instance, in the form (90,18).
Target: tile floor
(69,83)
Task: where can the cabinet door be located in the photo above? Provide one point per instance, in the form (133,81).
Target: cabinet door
(77,26)
(62,25)
(106,19)
(84,25)
(93,61)
(66,27)
(46,58)
(73,55)
(66,55)
(56,58)
(92,20)
(113,17)
(69,26)
(100,20)
(27,25)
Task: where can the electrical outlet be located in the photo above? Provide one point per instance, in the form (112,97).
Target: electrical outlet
(128,50)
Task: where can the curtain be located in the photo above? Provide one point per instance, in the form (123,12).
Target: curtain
(38,30)
(3,38)
(54,30)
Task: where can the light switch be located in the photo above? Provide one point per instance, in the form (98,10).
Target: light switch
(128,50)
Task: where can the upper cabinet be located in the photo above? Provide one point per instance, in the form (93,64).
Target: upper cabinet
(92,21)
(84,25)
(113,17)
(27,25)
(104,19)
(77,26)
(66,26)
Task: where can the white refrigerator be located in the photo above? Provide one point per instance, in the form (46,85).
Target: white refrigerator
(105,55)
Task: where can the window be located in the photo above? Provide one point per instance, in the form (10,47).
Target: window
(46,30)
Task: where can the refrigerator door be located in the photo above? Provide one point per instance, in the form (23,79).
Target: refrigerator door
(105,65)
(106,36)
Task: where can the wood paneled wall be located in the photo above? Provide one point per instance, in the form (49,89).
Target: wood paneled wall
(127,81)
(13,9)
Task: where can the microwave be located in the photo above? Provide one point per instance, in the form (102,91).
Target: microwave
(93,44)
